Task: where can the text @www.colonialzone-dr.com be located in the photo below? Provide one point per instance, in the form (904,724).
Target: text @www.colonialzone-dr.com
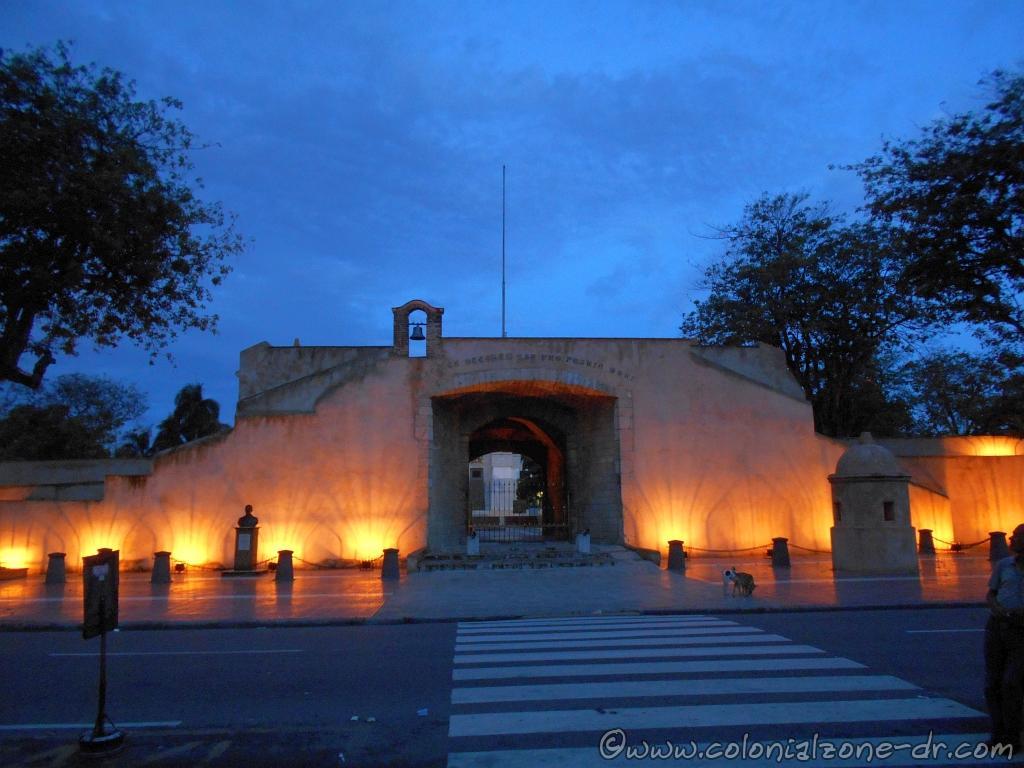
(615,745)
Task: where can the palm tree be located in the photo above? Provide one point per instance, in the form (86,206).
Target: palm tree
(193,417)
(136,445)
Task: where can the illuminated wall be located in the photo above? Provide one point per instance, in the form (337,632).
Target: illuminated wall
(342,483)
(723,461)
(933,511)
(333,446)
(986,493)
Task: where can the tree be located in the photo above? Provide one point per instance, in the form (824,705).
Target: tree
(135,445)
(193,417)
(104,405)
(957,196)
(957,393)
(95,408)
(102,236)
(801,279)
(531,483)
(36,433)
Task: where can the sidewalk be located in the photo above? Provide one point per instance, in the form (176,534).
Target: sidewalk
(356,596)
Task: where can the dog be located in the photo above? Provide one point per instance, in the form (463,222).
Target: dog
(742,583)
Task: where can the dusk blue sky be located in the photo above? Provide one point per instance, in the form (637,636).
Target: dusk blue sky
(361,146)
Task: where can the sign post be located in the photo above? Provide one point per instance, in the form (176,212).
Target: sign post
(100,581)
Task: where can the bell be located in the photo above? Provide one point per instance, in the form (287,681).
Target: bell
(417,332)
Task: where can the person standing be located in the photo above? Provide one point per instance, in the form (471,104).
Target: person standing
(1004,645)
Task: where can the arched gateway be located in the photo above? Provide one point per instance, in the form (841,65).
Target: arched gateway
(567,430)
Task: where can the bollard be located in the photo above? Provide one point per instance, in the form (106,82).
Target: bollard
(583,542)
(997,548)
(285,570)
(780,552)
(389,569)
(56,573)
(925,543)
(161,568)
(676,556)
(472,544)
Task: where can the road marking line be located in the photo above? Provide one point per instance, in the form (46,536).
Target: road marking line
(178,751)
(216,751)
(699,687)
(725,635)
(246,652)
(661,626)
(588,620)
(681,648)
(659,631)
(56,757)
(654,668)
(71,726)
(706,715)
(590,757)
(929,631)
(847,580)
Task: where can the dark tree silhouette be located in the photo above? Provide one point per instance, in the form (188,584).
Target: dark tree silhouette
(797,277)
(193,417)
(102,236)
(956,195)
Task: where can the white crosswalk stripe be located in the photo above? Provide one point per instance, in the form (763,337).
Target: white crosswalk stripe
(614,642)
(716,628)
(699,687)
(540,692)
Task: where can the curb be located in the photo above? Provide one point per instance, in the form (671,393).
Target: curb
(147,626)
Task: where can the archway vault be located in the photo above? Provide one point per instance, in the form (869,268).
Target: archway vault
(572,423)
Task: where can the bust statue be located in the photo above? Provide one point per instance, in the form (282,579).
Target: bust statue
(248,520)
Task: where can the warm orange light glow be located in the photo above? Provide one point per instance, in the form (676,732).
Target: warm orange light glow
(367,538)
(91,548)
(991,446)
(193,554)
(16,557)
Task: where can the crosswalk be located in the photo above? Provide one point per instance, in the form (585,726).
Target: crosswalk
(686,690)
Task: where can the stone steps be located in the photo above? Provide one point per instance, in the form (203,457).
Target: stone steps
(548,558)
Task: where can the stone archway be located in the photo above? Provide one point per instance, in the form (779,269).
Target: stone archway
(576,427)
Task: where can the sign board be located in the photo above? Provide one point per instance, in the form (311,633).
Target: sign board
(100,581)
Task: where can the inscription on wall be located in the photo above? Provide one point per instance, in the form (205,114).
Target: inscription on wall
(539,357)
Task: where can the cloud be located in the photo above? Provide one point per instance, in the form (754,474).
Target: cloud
(361,144)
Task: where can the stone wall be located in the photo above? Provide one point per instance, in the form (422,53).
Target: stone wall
(344,451)
(984,493)
(341,483)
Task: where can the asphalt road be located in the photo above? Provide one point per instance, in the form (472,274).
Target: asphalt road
(253,697)
(281,697)
(938,649)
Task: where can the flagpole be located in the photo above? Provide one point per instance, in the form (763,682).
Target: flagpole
(504,333)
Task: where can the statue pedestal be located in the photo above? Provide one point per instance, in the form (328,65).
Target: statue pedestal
(247,536)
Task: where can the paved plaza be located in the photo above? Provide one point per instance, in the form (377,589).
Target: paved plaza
(204,598)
